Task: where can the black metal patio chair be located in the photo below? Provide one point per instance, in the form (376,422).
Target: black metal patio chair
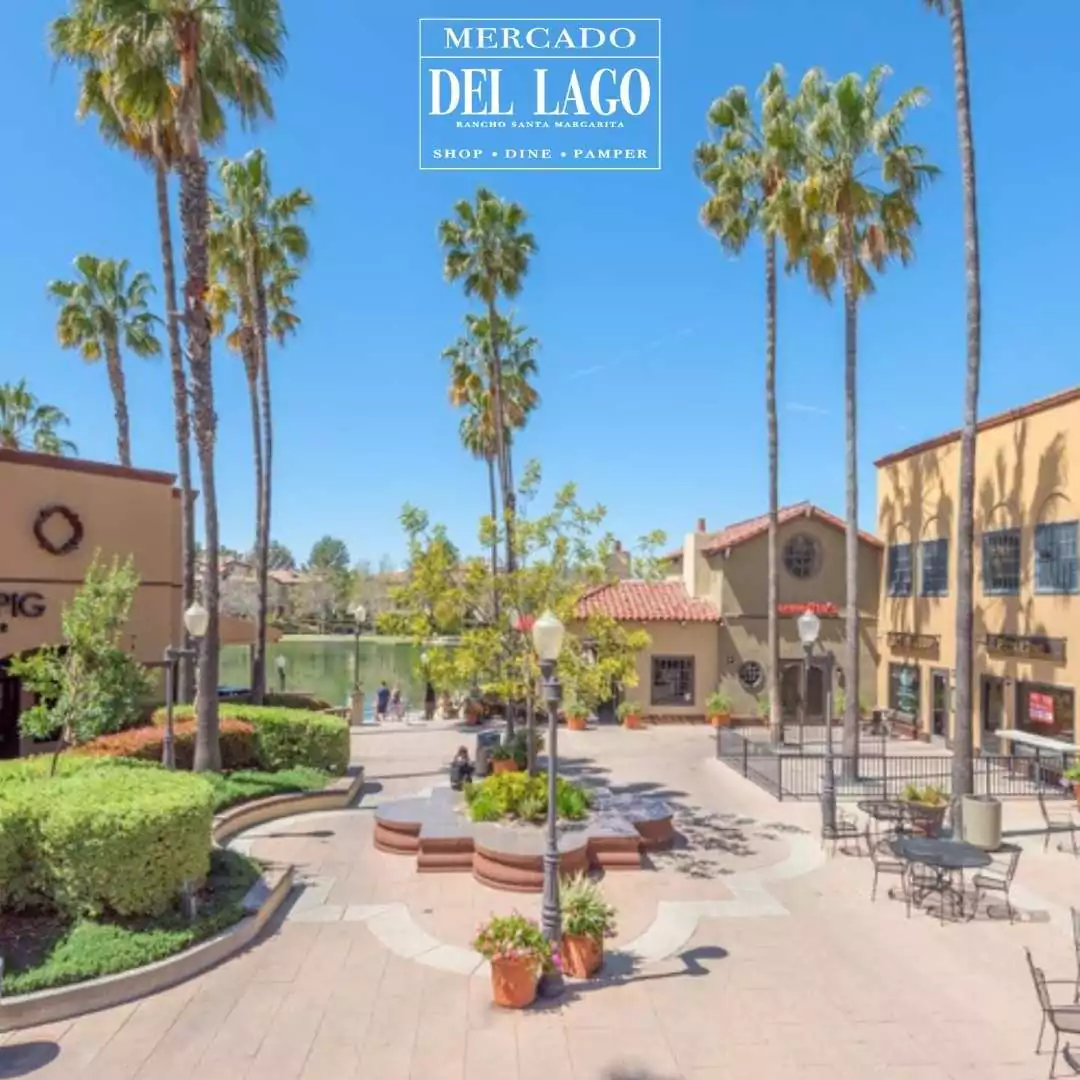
(885,862)
(1075,912)
(1062,1019)
(997,877)
(1059,816)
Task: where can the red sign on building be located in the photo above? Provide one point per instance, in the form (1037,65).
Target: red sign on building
(818,607)
(1041,708)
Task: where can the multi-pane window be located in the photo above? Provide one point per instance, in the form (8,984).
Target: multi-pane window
(935,568)
(672,680)
(904,690)
(1001,562)
(1055,557)
(900,570)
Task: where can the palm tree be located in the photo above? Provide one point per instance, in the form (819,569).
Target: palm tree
(146,128)
(257,234)
(149,40)
(850,228)
(100,310)
(488,251)
(963,777)
(745,166)
(26,424)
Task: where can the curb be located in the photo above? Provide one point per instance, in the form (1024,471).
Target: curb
(47,1006)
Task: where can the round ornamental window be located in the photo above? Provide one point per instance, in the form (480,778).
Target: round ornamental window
(802,556)
(751,675)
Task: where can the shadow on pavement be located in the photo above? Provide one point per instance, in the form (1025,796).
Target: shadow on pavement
(27,1058)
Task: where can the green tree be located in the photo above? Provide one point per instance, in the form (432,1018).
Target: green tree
(329,555)
(849,228)
(90,685)
(100,311)
(963,777)
(255,246)
(27,424)
(488,251)
(745,165)
(150,41)
(279,557)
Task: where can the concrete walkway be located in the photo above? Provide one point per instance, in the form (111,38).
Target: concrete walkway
(743,954)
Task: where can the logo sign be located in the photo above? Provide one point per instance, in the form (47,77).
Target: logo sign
(14,605)
(540,94)
(1041,708)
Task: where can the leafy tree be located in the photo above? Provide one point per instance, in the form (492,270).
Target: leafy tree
(26,424)
(745,165)
(329,554)
(963,777)
(90,685)
(100,310)
(847,228)
(279,557)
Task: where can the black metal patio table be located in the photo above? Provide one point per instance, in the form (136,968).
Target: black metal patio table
(944,859)
(885,811)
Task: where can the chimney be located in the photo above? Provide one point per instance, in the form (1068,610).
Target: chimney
(700,524)
(618,563)
(695,570)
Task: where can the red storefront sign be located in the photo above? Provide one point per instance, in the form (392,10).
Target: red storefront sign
(1041,708)
(818,607)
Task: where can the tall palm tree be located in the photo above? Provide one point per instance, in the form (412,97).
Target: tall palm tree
(100,310)
(851,228)
(488,251)
(27,424)
(963,778)
(242,39)
(147,129)
(258,233)
(745,166)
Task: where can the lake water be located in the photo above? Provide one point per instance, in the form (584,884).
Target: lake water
(325,667)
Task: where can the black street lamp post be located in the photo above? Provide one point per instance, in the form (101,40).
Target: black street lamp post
(809,628)
(196,619)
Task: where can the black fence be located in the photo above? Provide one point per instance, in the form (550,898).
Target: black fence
(798,772)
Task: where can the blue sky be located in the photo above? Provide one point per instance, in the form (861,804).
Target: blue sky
(651,368)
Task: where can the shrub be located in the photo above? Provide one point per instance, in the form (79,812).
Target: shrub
(123,840)
(19,885)
(514,937)
(585,912)
(518,795)
(242,786)
(287,738)
(239,746)
(284,700)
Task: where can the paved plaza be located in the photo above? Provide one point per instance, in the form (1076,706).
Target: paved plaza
(743,954)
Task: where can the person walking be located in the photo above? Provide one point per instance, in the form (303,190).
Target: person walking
(429,702)
(397,706)
(382,701)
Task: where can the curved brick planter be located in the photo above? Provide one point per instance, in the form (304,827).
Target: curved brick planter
(657,833)
(523,872)
(48,1006)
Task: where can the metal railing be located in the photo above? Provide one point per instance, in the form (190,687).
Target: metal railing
(797,772)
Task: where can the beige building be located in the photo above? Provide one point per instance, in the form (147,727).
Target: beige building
(57,513)
(708,621)
(1027,503)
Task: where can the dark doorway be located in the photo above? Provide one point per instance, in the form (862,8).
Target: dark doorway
(10,707)
(791,690)
(939,703)
(992,710)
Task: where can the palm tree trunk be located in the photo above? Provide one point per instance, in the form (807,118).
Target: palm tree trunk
(195,221)
(119,392)
(262,538)
(251,370)
(851,628)
(501,449)
(495,543)
(775,713)
(185,682)
(962,767)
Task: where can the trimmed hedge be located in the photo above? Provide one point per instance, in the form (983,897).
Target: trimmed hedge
(288,738)
(103,837)
(282,700)
(239,746)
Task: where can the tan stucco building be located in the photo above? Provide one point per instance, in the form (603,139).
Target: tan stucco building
(57,512)
(1027,504)
(709,621)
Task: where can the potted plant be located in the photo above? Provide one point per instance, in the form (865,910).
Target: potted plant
(518,953)
(576,715)
(587,919)
(503,758)
(629,713)
(763,709)
(926,808)
(718,708)
(1073,775)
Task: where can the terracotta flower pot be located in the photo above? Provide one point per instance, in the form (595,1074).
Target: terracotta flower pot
(582,956)
(1076,792)
(632,722)
(513,983)
(720,720)
(504,765)
(575,723)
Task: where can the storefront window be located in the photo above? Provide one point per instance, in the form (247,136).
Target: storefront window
(1045,710)
(904,690)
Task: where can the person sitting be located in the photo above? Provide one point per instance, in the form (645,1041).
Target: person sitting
(461,769)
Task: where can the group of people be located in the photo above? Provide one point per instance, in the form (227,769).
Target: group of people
(390,702)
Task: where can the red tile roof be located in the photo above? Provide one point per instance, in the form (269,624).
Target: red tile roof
(646,601)
(742,531)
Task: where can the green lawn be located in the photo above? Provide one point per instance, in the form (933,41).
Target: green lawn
(243,786)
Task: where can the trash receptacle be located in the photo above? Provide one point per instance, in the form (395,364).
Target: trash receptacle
(982,821)
(486,741)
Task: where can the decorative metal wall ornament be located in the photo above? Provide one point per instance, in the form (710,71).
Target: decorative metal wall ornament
(74,524)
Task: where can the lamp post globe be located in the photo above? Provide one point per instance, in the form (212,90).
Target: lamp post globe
(809,626)
(547,634)
(196,620)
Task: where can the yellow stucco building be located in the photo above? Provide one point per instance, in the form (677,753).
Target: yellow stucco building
(1027,506)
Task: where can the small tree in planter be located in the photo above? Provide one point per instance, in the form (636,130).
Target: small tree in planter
(1072,774)
(718,708)
(518,953)
(576,714)
(587,919)
(763,709)
(629,712)
(503,758)
(926,807)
